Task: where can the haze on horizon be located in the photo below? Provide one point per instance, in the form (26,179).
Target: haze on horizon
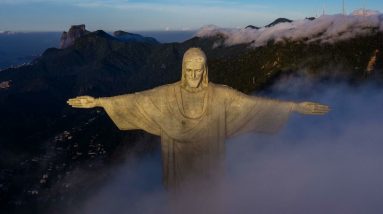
(156,15)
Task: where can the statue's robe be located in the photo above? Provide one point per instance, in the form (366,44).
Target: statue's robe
(194,146)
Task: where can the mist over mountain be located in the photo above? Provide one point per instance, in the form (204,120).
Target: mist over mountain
(53,156)
(277,21)
(324,29)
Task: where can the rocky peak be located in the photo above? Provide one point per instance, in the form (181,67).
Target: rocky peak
(277,21)
(252,27)
(75,32)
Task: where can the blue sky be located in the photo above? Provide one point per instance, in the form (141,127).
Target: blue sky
(134,15)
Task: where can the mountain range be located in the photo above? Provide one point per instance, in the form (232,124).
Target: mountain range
(43,140)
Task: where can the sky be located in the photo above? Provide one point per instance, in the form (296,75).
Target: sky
(156,15)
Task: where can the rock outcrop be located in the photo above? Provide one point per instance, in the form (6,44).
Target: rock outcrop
(75,32)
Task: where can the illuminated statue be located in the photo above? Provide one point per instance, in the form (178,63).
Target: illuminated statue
(194,116)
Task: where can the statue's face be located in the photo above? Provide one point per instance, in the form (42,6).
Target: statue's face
(194,73)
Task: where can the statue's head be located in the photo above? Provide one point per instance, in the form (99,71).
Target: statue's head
(194,70)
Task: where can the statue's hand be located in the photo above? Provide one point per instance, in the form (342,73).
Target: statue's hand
(83,102)
(311,108)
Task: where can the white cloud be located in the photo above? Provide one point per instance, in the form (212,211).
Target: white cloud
(364,12)
(328,28)
(327,164)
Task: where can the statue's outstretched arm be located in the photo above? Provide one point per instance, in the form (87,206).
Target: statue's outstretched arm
(310,108)
(84,102)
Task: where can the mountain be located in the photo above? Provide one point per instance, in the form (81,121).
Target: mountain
(75,31)
(277,21)
(44,142)
(125,36)
(252,27)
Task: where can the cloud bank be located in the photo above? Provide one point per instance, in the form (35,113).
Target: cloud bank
(327,29)
(330,164)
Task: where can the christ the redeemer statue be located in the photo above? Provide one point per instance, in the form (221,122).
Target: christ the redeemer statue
(194,116)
